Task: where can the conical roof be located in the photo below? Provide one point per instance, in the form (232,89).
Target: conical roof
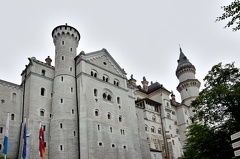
(183,62)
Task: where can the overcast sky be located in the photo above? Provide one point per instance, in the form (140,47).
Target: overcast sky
(142,36)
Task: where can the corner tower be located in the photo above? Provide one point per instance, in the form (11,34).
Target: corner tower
(188,86)
(64,120)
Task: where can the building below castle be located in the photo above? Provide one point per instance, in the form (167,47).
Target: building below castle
(89,109)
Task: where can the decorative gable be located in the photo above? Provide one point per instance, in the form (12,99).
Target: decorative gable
(105,61)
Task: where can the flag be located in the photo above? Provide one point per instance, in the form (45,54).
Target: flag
(5,142)
(24,150)
(41,142)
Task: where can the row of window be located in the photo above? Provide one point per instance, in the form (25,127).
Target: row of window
(122,132)
(109,116)
(106,96)
(104,77)
(153,129)
(42,112)
(112,145)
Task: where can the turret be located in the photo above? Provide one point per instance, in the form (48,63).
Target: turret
(188,86)
(64,123)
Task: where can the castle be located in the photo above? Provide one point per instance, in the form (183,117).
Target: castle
(89,109)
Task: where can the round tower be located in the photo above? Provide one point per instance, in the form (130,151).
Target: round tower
(188,86)
(63,125)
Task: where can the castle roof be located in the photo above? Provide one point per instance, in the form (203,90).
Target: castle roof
(153,87)
(183,62)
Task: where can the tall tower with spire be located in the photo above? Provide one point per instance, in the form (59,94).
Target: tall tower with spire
(188,86)
(64,122)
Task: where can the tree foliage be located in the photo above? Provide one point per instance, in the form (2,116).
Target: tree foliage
(217,108)
(231,11)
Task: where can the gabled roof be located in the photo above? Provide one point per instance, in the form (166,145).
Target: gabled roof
(92,57)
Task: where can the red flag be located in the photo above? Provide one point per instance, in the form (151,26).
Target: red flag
(41,142)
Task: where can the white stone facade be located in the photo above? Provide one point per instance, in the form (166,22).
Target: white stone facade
(90,110)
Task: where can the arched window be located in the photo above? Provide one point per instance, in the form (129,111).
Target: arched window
(154,118)
(168,115)
(42,112)
(109,98)
(118,100)
(177,131)
(14,96)
(146,128)
(159,131)
(43,72)
(109,115)
(153,129)
(105,78)
(12,116)
(96,112)
(61,147)
(116,82)
(62,57)
(111,129)
(120,118)
(94,73)
(104,95)
(95,92)
(42,91)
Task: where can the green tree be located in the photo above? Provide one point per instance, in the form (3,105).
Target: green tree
(217,108)
(231,11)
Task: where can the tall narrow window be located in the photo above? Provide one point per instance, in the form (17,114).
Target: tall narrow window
(98,127)
(70,68)
(120,118)
(109,116)
(95,92)
(96,112)
(62,57)
(111,129)
(109,97)
(62,42)
(14,97)
(0,146)
(62,78)
(74,133)
(43,127)
(12,116)
(118,100)
(61,125)
(42,112)
(1,130)
(61,100)
(71,49)
(61,147)
(71,89)
(72,111)
(146,128)
(43,72)
(42,91)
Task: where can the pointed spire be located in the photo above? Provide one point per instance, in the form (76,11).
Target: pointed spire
(183,60)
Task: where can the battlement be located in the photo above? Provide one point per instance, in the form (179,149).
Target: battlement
(65,30)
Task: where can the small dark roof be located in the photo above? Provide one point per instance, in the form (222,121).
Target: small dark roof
(183,62)
(153,87)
